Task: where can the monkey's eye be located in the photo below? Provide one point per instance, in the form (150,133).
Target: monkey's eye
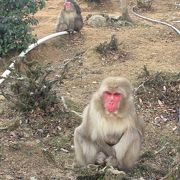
(107,93)
(117,94)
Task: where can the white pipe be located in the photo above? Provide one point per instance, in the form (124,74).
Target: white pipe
(176,21)
(32,46)
(156,21)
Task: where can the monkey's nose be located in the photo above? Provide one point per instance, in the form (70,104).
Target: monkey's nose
(111,102)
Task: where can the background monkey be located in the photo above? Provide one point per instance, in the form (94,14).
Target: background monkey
(70,18)
(110,132)
(76,6)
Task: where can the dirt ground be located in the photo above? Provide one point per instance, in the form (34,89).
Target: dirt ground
(27,152)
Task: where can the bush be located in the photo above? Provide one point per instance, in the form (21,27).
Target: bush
(30,88)
(16,21)
(106,47)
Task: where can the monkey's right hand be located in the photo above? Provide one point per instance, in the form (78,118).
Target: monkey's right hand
(111,161)
(106,149)
(100,158)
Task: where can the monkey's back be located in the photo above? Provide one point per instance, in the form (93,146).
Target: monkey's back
(78,25)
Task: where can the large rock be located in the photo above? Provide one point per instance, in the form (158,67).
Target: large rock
(97,21)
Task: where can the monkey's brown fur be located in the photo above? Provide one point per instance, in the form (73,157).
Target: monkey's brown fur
(109,138)
(70,20)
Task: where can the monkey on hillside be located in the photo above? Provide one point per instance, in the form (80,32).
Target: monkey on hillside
(110,133)
(77,7)
(70,18)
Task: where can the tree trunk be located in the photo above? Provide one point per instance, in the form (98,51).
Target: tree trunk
(124,8)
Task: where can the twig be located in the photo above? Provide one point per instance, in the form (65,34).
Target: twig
(76,113)
(65,65)
(66,107)
(64,102)
(156,152)
(3,128)
(141,85)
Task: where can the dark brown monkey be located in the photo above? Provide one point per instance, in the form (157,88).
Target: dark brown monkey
(70,18)
(110,132)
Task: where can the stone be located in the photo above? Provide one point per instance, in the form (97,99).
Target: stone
(97,21)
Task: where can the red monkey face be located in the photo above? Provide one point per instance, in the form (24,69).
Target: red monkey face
(112,101)
(68,6)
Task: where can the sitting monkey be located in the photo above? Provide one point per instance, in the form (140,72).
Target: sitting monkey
(70,18)
(110,133)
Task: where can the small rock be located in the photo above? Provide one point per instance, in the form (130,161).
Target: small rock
(174,129)
(97,21)
(33,178)
(2,98)
(116,172)
(64,150)
(9,177)
(160,103)
(113,17)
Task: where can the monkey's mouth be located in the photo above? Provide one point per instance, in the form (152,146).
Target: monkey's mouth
(68,8)
(112,107)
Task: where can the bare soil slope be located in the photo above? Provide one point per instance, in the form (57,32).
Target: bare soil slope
(44,150)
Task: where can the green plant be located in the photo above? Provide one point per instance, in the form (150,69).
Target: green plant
(16,21)
(31,89)
(106,47)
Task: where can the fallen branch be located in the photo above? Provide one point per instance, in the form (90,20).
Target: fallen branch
(141,85)
(156,152)
(66,107)
(64,66)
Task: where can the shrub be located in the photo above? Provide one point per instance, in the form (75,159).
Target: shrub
(16,21)
(106,47)
(30,88)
